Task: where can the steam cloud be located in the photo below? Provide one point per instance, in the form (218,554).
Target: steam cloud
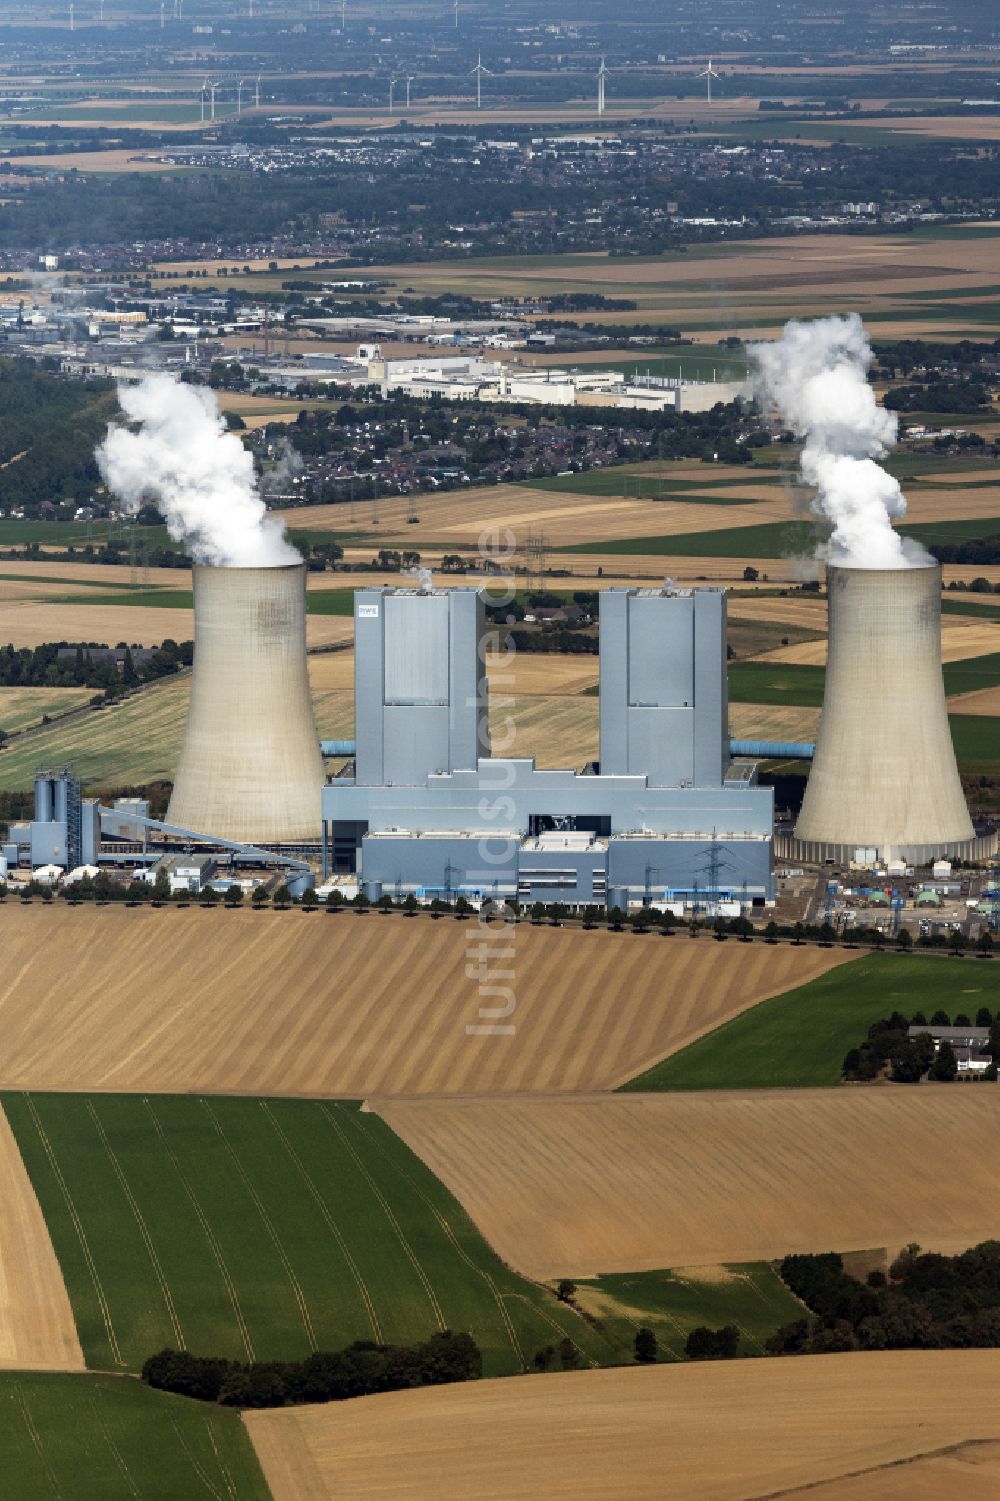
(816,375)
(199,475)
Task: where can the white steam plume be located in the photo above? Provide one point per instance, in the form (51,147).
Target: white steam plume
(199,475)
(816,375)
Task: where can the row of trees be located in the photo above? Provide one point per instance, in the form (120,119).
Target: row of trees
(42,667)
(360,1370)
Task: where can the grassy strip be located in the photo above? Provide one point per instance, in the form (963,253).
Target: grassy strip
(318,601)
(772,539)
(799,1039)
(99,1438)
(750,1295)
(266,1229)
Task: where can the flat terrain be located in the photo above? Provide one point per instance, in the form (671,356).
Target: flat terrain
(266,1229)
(291,1003)
(752,287)
(634,1182)
(102,1438)
(800,1038)
(722,1431)
(36,1322)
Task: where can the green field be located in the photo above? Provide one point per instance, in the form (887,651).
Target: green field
(770,539)
(750,1295)
(107,1438)
(642,482)
(966,607)
(318,601)
(976,738)
(265,1229)
(800,1038)
(972,673)
(77,533)
(775,683)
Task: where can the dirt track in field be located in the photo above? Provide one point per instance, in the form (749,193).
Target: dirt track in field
(635,1182)
(720,1431)
(289,1003)
(37,1331)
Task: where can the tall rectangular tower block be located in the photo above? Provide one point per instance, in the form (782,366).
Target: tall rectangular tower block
(664,704)
(420,684)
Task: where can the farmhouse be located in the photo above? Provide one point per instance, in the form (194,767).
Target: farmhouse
(970,1044)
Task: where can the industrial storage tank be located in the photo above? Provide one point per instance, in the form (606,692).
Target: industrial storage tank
(884,774)
(250,767)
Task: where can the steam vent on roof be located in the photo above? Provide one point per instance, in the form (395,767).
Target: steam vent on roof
(250,767)
(884,774)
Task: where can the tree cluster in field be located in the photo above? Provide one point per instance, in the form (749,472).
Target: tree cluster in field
(49,428)
(42,667)
(704,1343)
(890,1049)
(981,552)
(926,1302)
(904,357)
(940,396)
(361,1370)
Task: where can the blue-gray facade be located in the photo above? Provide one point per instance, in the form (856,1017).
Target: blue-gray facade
(665,815)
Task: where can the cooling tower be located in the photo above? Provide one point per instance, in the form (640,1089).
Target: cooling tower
(250,766)
(884,773)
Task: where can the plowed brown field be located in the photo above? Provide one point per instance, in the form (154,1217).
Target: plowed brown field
(37,1331)
(634,1182)
(719,1431)
(285,1003)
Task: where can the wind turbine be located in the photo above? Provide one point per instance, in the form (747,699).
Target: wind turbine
(256,93)
(410,78)
(478,72)
(456,15)
(72,20)
(708,75)
(239,97)
(392,88)
(204,91)
(162,9)
(212,88)
(602,74)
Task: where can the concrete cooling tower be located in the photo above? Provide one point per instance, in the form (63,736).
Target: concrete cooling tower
(250,767)
(884,773)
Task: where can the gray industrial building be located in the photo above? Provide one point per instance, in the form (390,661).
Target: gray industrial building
(66,828)
(664,816)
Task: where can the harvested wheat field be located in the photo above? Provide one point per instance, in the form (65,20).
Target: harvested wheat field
(289,1003)
(37,1331)
(961,637)
(984,701)
(458,518)
(635,1182)
(30,622)
(525,674)
(969,1471)
(773,722)
(722,1431)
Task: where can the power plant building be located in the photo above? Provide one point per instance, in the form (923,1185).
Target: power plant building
(664,815)
(884,775)
(250,767)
